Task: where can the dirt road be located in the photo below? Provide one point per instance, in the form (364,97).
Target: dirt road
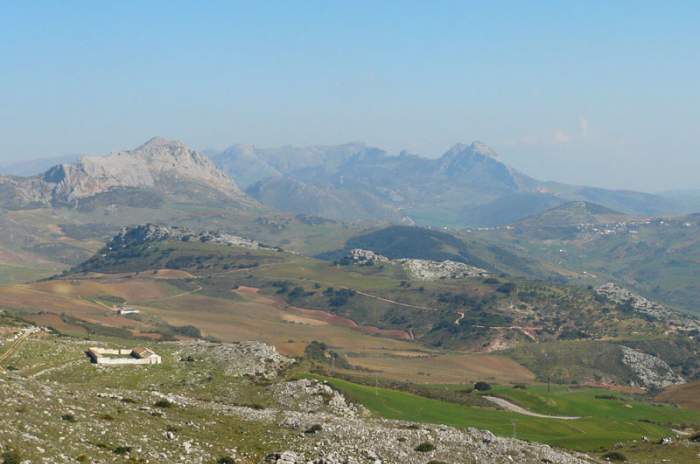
(12,349)
(508,406)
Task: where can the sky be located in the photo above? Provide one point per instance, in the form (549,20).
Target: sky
(597,93)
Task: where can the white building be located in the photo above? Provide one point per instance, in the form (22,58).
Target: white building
(116,357)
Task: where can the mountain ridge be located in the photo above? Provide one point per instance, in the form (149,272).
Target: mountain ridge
(166,166)
(468,185)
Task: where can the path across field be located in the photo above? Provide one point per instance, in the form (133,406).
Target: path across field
(12,349)
(508,406)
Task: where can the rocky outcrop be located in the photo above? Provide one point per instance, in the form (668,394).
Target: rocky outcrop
(312,396)
(162,165)
(638,303)
(245,359)
(651,372)
(676,322)
(420,269)
(367,257)
(341,440)
(129,236)
(423,269)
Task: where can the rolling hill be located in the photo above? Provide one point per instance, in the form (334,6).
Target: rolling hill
(484,313)
(657,257)
(59,218)
(569,219)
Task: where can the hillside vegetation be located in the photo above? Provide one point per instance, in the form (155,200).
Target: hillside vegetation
(655,257)
(486,314)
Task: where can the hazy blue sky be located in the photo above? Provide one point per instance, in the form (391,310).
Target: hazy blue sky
(604,93)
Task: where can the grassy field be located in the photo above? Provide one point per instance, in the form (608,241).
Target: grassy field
(595,402)
(603,423)
(12,273)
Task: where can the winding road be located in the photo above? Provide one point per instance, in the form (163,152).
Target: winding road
(508,406)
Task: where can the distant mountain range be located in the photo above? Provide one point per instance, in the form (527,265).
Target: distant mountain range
(468,185)
(30,167)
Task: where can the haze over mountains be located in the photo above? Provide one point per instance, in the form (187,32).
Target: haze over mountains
(157,167)
(467,186)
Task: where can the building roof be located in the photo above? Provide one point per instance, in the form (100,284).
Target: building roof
(142,352)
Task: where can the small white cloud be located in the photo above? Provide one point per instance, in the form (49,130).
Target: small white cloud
(561,137)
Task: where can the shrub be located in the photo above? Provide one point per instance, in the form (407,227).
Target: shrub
(163,403)
(507,288)
(11,457)
(68,418)
(226,460)
(314,429)
(482,386)
(425,447)
(614,456)
(297,292)
(122,450)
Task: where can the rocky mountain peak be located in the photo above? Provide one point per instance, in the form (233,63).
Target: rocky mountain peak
(246,149)
(478,164)
(157,142)
(166,166)
(483,149)
(475,150)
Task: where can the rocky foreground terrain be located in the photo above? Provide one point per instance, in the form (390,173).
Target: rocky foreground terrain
(318,426)
(213,403)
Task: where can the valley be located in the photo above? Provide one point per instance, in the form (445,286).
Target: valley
(527,330)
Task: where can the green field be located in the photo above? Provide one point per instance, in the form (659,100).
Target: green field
(603,421)
(10,273)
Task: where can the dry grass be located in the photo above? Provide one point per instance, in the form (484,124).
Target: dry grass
(303,320)
(446,368)
(687,395)
(254,316)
